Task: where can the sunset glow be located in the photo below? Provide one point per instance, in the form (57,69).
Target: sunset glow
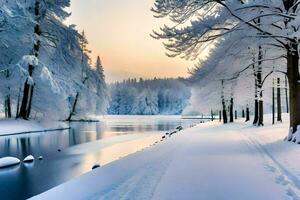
(119,32)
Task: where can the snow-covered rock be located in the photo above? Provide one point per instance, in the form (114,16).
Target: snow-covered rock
(8,161)
(40,157)
(28,159)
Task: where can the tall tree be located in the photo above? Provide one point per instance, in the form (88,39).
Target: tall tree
(85,58)
(279,118)
(101,88)
(224,112)
(29,84)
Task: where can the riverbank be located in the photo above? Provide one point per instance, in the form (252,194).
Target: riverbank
(209,161)
(16,127)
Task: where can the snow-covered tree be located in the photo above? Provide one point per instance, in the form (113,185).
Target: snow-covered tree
(274,23)
(146,103)
(41,61)
(101,88)
(153,96)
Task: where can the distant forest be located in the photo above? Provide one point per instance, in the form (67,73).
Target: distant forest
(149,97)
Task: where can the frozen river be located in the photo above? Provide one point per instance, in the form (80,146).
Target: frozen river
(70,153)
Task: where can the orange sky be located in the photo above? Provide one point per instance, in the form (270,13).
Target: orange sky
(118,31)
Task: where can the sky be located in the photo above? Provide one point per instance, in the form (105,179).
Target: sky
(119,32)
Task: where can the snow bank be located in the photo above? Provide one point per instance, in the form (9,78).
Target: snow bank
(14,127)
(8,161)
(210,161)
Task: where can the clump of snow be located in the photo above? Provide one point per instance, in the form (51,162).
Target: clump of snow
(30,80)
(29,60)
(8,161)
(29,158)
(46,76)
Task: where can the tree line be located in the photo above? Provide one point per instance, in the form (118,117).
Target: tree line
(149,97)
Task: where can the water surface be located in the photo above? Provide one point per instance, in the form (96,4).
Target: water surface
(84,145)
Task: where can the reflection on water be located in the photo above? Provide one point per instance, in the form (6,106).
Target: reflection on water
(26,180)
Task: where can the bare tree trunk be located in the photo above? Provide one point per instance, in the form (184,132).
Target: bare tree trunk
(260,111)
(243,113)
(294,85)
(247,114)
(273,103)
(235,114)
(26,100)
(220,116)
(18,103)
(279,118)
(7,107)
(260,121)
(73,111)
(7,104)
(286,95)
(212,115)
(224,112)
(231,110)
(255,120)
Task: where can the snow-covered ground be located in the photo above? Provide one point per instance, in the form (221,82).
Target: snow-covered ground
(209,161)
(13,127)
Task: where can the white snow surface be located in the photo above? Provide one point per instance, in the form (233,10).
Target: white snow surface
(29,158)
(210,161)
(103,143)
(8,161)
(11,126)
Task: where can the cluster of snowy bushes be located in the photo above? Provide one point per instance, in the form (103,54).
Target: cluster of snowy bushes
(45,67)
(149,97)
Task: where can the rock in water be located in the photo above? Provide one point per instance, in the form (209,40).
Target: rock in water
(95,166)
(8,162)
(28,159)
(40,157)
(59,150)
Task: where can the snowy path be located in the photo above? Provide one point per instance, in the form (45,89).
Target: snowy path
(205,162)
